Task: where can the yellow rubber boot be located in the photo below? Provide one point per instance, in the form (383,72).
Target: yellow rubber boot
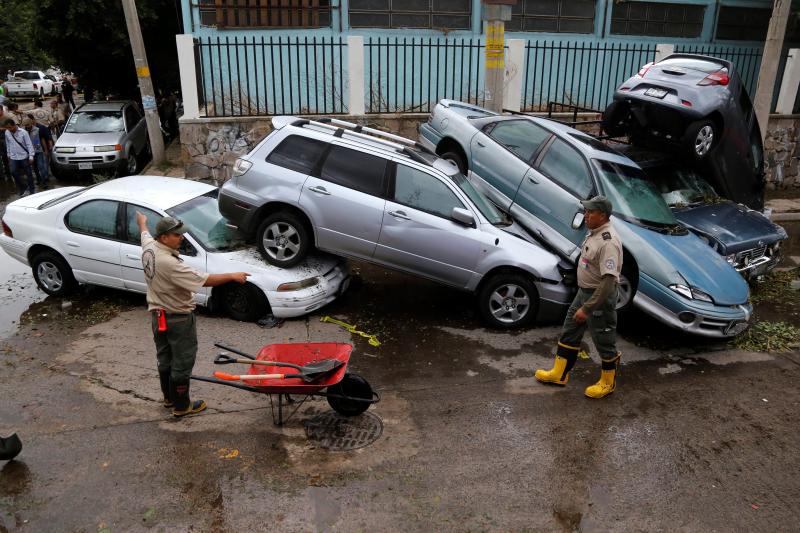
(565,360)
(608,380)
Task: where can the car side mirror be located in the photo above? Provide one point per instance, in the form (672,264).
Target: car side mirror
(463,216)
(577,220)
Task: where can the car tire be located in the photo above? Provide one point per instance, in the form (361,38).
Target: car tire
(615,118)
(700,139)
(508,301)
(457,159)
(352,386)
(52,274)
(280,234)
(243,302)
(626,288)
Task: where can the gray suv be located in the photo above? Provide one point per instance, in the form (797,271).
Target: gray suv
(102,136)
(362,193)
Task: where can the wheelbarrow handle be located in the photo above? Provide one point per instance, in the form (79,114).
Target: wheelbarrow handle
(245,377)
(234,350)
(224,359)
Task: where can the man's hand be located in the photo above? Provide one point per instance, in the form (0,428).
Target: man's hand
(239,277)
(579,317)
(141,220)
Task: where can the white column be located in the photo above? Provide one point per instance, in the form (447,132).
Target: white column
(790,83)
(355,75)
(191,107)
(514,75)
(663,50)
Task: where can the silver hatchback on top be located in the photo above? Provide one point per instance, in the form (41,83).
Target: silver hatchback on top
(362,193)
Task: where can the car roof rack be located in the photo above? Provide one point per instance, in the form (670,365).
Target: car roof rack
(397,143)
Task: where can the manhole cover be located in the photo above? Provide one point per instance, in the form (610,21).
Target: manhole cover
(338,433)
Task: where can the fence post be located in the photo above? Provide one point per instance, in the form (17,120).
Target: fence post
(663,50)
(790,83)
(186,68)
(355,75)
(514,75)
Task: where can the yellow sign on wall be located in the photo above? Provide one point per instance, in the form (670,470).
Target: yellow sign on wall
(142,72)
(495,43)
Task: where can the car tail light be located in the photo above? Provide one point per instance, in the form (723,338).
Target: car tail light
(687,103)
(624,88)
(644,69)
(719,77)
(6,230)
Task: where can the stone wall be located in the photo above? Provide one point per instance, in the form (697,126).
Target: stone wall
(209,147)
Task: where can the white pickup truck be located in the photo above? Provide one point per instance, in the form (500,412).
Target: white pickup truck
(30,83)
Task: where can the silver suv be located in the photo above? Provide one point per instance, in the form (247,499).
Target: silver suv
(359,192)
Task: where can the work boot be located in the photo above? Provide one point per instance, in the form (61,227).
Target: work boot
(163,376)
(565,360)
(179,392)
(608,381)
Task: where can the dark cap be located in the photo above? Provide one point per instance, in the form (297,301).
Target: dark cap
(170,225)
(598,203)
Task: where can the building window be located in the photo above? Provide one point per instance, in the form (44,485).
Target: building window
(265,13)
(751,24)
(553,16)
(656,19)
(433,14)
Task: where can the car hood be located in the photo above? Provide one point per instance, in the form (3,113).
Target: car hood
(89,139)
(733,226)
(683,259)
(266,275)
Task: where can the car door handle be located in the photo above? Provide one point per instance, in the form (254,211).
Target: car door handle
(400,215)
(133,256)
(533,180)
(73,244)
(320,190)
(480,144)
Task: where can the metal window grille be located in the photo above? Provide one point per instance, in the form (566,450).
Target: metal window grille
(265,13)
(553,16)
(656,19)
(447,14)
(751,24)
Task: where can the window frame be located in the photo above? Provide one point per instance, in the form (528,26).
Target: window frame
(626,20)
(228,14)
(489,128)
(522,17)
(393,189)
(543,153)
(383,189)
(315,166)
(430,13)
(118,223)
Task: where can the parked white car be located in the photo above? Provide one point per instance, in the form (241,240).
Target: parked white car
(30,83)
(89,235)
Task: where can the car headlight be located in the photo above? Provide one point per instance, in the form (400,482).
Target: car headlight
(65,149)
(692,293)
(298,285)
(108,148)
(731,259)
(241,166)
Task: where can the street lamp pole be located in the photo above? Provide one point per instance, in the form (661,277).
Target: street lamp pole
(145,83)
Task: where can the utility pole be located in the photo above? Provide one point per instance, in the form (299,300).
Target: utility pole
(769,62)
(495,13)
(145,83)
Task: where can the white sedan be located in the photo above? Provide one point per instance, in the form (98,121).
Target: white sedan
(74,235)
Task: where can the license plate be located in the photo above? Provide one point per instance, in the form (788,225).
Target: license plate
(84,166)
(655,93)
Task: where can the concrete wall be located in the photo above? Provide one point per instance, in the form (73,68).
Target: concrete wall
(209,147)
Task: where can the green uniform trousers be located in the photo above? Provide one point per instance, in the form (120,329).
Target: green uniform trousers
(602,325)
(176,348)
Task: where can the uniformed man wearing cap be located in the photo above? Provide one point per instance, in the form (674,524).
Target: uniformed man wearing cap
(594,306)
(171,285)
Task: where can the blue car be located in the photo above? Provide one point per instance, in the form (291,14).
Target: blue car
(538,171)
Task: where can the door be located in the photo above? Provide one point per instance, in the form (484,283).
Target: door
(419,235)
(345,201)
(501,155)
(92,242)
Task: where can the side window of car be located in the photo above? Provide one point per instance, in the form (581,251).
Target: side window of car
(96,217)
(354,170)
(297,153)
(520,136)
(131,118)
(134,237)
(565,166)
(424,192)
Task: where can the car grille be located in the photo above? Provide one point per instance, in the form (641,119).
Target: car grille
(751,258)
(86,159)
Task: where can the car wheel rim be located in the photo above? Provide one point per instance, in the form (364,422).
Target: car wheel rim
(281,241)
(50,276)
(509,303)
(454,162)
(704,139)
(624,292)
(131,164)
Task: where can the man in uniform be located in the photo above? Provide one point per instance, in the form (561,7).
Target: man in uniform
(171,285)
(594,306)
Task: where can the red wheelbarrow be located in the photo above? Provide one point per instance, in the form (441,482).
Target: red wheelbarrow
(320,369)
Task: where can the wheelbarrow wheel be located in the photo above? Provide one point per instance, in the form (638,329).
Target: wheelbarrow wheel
(352,386)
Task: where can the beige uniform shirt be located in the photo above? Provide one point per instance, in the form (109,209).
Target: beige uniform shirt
(601,254)
(171,283)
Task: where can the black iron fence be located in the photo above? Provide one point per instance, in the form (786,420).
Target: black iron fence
(275,76)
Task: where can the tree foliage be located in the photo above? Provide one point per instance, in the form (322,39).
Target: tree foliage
(18,50)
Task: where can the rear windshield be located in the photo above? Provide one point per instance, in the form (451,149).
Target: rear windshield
(690,63)
(95,122)
(27,75)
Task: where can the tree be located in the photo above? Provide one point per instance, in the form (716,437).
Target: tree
(90,39)
(18,50)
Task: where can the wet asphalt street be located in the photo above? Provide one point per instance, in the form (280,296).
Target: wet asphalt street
(698,437)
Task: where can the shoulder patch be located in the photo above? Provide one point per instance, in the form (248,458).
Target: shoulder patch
(606,236)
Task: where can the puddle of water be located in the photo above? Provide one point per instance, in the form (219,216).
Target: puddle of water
(18,291)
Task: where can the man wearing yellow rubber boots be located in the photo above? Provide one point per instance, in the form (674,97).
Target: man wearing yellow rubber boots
(594,306)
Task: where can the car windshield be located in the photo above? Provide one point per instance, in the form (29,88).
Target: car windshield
(681,186)
(206,224)
(95,122)
(486,207)
(632,195)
